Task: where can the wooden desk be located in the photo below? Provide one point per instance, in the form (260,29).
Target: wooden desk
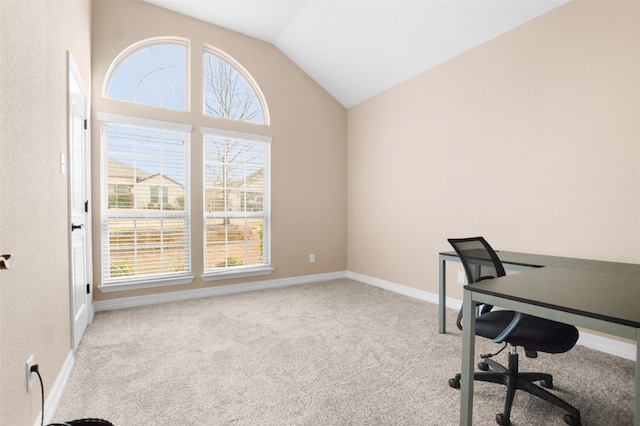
(603,296)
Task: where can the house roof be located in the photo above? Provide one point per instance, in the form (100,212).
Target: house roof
(125,171)
(160,175)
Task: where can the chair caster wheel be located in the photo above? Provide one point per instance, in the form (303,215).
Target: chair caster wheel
(502,420)
(572,421)
(546,384)
(454,383)
(483,366)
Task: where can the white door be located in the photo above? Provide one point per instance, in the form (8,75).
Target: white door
(78,204)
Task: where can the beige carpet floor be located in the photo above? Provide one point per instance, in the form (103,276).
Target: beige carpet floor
(329,353)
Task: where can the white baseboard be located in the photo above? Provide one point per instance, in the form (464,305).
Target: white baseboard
(52,401)
(174,296)
(588,340)
(608,346)
(592,341)
(599,343)
(396,288)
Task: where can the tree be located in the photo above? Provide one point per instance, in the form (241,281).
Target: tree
(228,95)
(228,165)
(227,92)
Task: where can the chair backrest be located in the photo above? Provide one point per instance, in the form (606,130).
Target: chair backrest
(480,261)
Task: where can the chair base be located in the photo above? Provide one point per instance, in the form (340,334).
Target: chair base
(514,380)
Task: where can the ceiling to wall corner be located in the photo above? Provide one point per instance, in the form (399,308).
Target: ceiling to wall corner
(356,49)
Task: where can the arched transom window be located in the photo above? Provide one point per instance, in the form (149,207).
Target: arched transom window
(152,74)
(229,91)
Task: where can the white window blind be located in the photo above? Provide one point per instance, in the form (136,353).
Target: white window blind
(236,201)
(145,214)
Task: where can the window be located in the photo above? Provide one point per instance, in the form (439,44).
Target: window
(155,194)
(154,74)
(145,218)
(236,216)
(228,93)
(145,172)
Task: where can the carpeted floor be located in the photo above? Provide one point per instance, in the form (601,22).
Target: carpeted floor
(330,353)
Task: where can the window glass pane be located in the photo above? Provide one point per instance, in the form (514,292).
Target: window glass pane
(227,94)
(234,242)
(233,173)
(139,247)
(152,75)
(235,212)
(145,214)
(139,159)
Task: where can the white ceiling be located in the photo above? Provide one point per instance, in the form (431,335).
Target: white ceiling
(356,49)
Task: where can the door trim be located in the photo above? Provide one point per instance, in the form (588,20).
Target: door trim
(74,74)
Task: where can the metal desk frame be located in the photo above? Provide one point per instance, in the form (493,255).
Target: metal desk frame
(506,258)
(473,298)
(535,299)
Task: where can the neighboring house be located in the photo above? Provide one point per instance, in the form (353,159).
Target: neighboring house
(158,190)
(129,185)
(254,188)
(122,176)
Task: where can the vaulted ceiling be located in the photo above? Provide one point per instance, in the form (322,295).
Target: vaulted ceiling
(356,49)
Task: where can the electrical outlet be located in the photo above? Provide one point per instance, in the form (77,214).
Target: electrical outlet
(461,277)
(30,363)
(312,258)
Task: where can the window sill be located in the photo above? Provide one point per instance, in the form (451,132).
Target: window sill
(149,283)
(237,273)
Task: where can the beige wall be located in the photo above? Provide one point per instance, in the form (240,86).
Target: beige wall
(34,294)
(531,140)
(308,130)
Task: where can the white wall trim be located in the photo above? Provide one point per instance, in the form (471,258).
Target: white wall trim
(608,346)
(592,341)
(174,296)
(599,343)
(92,311)
(53,400)
(396,288)
(588,340)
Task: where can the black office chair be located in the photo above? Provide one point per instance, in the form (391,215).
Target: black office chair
(534,334)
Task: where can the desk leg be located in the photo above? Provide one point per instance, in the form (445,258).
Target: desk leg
(468,355)
(636,411)
(443,297)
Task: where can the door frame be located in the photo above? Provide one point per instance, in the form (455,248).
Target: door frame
(74,75)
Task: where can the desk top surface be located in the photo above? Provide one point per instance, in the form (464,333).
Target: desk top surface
(540,260)
(597,289)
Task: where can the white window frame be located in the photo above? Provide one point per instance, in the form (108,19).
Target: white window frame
(109,284)
(246,271)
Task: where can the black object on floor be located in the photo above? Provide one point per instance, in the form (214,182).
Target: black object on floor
(84,422)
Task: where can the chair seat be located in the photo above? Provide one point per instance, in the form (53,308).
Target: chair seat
(532,333)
